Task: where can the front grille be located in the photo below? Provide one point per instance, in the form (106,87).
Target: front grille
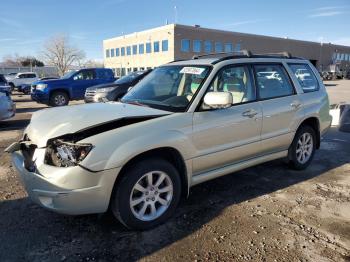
(89,94)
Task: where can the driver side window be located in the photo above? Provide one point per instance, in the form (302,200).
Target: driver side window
(237,81)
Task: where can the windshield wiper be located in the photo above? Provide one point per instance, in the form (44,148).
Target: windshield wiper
(134,102)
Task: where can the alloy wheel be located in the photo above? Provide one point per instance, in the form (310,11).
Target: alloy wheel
(304,148)
(151,195)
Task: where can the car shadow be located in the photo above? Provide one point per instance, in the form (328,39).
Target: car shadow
(13,124)
(29,109)
(330,84)
(37,234)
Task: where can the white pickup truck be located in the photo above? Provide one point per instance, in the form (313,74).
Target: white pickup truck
(23,78)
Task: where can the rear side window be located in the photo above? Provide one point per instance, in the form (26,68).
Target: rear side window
(104,74)
(272,81)
(305,76)
(31,75)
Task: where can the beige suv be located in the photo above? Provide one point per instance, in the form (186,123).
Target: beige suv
(185,123)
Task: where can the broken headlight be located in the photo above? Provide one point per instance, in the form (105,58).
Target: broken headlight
(65,154)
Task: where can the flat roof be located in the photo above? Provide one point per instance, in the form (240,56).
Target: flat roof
(199,28)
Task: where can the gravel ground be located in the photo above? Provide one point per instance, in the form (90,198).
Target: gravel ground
(264,213)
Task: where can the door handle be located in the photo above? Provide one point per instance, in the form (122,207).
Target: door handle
(249,113)
(295,104)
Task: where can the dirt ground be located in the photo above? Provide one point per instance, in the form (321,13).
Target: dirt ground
(264,213)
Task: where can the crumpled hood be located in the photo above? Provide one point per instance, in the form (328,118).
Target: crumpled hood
(54,122)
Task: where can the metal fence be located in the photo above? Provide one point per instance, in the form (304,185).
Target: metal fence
(44,71)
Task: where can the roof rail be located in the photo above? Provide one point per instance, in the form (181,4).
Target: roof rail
(246,53)
(282,54)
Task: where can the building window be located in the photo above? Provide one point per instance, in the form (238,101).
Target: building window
(156,47)
(208,47)
(165,46)
(141,48)
(218,47)
(128,50)
(134,69)
(112,52)
(185,45)
(117,52)
(228,48)
(123,72)
(117,70)
(134,49)
(197,46)
(238,48)
(148,48)
(107,52)
(123,51)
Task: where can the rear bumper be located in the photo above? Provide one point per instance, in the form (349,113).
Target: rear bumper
(72,191)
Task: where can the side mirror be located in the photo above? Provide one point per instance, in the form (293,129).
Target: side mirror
(217,100)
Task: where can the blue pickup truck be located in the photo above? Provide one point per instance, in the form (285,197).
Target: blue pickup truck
(71,86)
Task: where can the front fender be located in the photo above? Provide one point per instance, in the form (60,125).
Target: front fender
(173,139)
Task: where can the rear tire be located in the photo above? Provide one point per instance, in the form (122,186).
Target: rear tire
(59,99)
(302,150)
(147,195)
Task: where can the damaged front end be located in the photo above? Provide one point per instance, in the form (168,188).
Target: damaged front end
(66,153)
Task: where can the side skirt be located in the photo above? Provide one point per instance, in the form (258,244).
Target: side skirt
(197,179)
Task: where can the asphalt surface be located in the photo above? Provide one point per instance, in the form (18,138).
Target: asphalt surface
(264,213)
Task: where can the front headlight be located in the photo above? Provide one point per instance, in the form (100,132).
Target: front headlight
(106,89)
(65,154)
(41,86)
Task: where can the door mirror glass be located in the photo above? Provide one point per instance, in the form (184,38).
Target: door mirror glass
(217,100)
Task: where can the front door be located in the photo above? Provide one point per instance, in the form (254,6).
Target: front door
(227,136)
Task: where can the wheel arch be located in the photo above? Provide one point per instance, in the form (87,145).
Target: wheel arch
(169,154)
(315,124)
(64,90)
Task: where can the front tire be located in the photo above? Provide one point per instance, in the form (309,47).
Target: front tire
(302,150)
(147,195)
(59,99)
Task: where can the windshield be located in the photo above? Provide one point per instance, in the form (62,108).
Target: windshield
(128,78)
(68,75)
(170,88)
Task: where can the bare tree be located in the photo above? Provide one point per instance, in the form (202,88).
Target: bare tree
(59,52)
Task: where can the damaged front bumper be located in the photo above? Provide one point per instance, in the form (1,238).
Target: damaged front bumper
(67,190)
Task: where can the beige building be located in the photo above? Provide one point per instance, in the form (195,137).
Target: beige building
(157,46)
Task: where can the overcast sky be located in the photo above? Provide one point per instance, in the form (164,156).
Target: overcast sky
(26,25)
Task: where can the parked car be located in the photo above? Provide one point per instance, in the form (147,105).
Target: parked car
(116,90)
(23,78)
(25,89)
(185,123)
(10,76)
(4,86)
(72,86)
(7,106)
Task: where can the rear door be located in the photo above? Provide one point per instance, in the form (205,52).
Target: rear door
(226,136)
(82,80)
(29,78)
(281,106)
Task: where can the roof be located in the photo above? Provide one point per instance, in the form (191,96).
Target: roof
(211,59)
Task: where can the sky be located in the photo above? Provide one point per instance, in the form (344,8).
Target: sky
(26,25)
